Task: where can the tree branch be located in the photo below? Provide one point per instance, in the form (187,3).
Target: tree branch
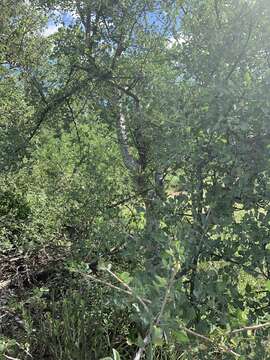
(207,339)
(128,159)
(147,338)
(249,328)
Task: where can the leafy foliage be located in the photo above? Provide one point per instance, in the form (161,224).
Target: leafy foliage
(134,202)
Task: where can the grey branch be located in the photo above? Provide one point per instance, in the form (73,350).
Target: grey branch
(250,328)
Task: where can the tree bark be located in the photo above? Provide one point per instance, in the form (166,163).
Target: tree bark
(138,168)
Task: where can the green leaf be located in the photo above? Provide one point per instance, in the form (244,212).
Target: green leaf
(161,281)
(102,265)
(267,285)
(189,313)
(116,355)
(125,276)
(241,316)
(247,78)
(130,341)
(181,336)
(140,342)
(157,336)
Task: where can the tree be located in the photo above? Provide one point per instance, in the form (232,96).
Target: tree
(176,92)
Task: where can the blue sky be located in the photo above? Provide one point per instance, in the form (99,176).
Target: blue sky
(65,18)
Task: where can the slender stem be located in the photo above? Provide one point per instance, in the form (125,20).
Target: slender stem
(250,328)
(10,357)
(166,297)
(128,292)
(129,289)
(147,338)
(106,283)
(205,338)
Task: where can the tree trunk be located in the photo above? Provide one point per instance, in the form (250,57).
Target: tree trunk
(151,195)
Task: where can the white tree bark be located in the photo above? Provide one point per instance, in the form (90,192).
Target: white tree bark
(128,159)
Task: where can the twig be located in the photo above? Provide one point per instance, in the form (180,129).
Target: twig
(10,357)
(147,338)
(250,328)
(140,352)
(130,293)
(205,338)
(129,289)
(106,283)
(166,297)
(189,331)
